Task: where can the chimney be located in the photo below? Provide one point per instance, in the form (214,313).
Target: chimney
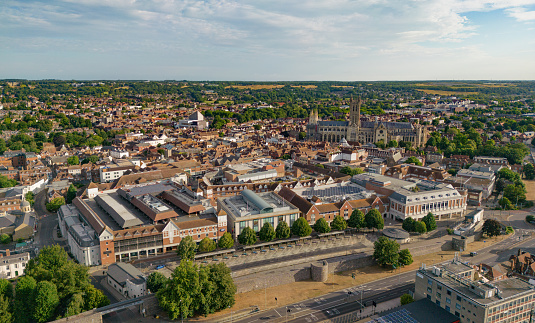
(519,252)
(8,253)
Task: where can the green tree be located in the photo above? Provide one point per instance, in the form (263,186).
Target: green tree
(55,204)
(419,227)
(491,228)
(406,299)
(207,245)
(500,185)
(505,203)
(283,230)
(71,194)
(225,289)
(24,301)
(226,241)
(91,159)
(156,281)
(386,251)
(30,198)
(356,220)
(408,224)
(301,228)
(73,160)
(302,135)
(392,143)
(6,289)
(321,226)
(267,233)
(5,238)
(374,220)
(430,222)
(6,182)
(187,248)
(75,305)
(46,301)
(5,313)
(530,218)
(515,193)
(405,257)
(247,237)
(413,160)
(508,174)
(529,171)
(93,298)
(338,223)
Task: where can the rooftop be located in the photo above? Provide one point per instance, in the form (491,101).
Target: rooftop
(249,203)
(121,215)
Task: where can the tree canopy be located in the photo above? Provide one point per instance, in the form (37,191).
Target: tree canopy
(187,248)
(356,220)
(386,251)
(226,241)
(338,223)
(283,230)
(321,226)
(301,228)
(267,233)
(374,220)
(247,237)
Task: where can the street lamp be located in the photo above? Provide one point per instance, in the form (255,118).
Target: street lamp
(230,314)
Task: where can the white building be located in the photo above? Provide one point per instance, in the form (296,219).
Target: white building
(196,120)
(127,280)
(83,241)
(109,174)
(119,154)
(12,266)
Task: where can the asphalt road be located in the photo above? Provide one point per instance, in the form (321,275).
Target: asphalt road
(46,222)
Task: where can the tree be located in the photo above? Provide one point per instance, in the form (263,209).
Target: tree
(508,174)
(207,245)
(301,228)
(46,301)
(71,194)
(406,299)
(321,226)
(505,203)
(73,160)
(226,241)
(187,248)
(338,223)
(6,289)
(59,140)
(24,300)
(430,223)
(197,290)
(267,233)
(491,228)
(405,257)
(5,238)
(5,314)
(6,182)
(500,185)
(302,135)
(55,204)
(356,220)
(75,304)
(431,142)
(156,281)
(386,251)
(392,143)
(30,198)
(282,231)
(408,224)
(351,171)
(530,218)
(247,237)
(413,160)
(420,227)
(373,219)
(91,159)
(529,171)
(515,193)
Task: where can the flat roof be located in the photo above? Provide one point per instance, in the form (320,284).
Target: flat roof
(420,311)
(242,206)
(120,214)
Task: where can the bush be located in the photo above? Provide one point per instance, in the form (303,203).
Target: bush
(301,228)
(509,230)
(338,223)
(530,218)
(282,231)
(226,241)
(267,233)
(406,299)
(450,231)
(408,224)
(247,236)
(420,227)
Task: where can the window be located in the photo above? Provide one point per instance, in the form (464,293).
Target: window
(429,290)
(458,298)
(428,296)
(439,295)
(447,308)
(439,287)
(448,292)
(457,314)
(448,301)
(430,282)
(458,306)
(438,302)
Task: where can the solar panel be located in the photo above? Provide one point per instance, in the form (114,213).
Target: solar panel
(401,316)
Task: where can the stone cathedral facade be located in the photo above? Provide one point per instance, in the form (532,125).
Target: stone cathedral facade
(364,132)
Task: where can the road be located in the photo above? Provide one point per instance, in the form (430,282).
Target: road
(47,222)
(337,303)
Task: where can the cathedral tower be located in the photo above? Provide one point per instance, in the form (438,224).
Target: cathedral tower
(354,112)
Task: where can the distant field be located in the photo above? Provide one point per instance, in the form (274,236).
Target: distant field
(342,86)
(438,92)
(122,88)
(268,86)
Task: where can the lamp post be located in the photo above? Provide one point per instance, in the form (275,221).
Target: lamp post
(230,314)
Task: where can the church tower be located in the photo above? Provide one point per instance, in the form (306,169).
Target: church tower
(354,112)
(313,118)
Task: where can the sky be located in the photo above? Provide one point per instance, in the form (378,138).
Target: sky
(268,40)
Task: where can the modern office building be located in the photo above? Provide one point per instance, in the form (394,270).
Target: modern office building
(250,209)
(457,288)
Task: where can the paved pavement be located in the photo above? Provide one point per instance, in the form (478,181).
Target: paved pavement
(46,224)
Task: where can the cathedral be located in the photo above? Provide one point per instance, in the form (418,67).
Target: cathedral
(364,132)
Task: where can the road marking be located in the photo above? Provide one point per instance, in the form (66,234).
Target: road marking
(277,312)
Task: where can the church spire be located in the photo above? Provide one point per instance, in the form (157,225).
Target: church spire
(354,111)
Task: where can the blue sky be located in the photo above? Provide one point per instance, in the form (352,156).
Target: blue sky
(268,39)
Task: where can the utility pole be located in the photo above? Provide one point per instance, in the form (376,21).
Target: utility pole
(265,293)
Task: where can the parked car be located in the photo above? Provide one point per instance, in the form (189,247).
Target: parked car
(160,267)
(473,253)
